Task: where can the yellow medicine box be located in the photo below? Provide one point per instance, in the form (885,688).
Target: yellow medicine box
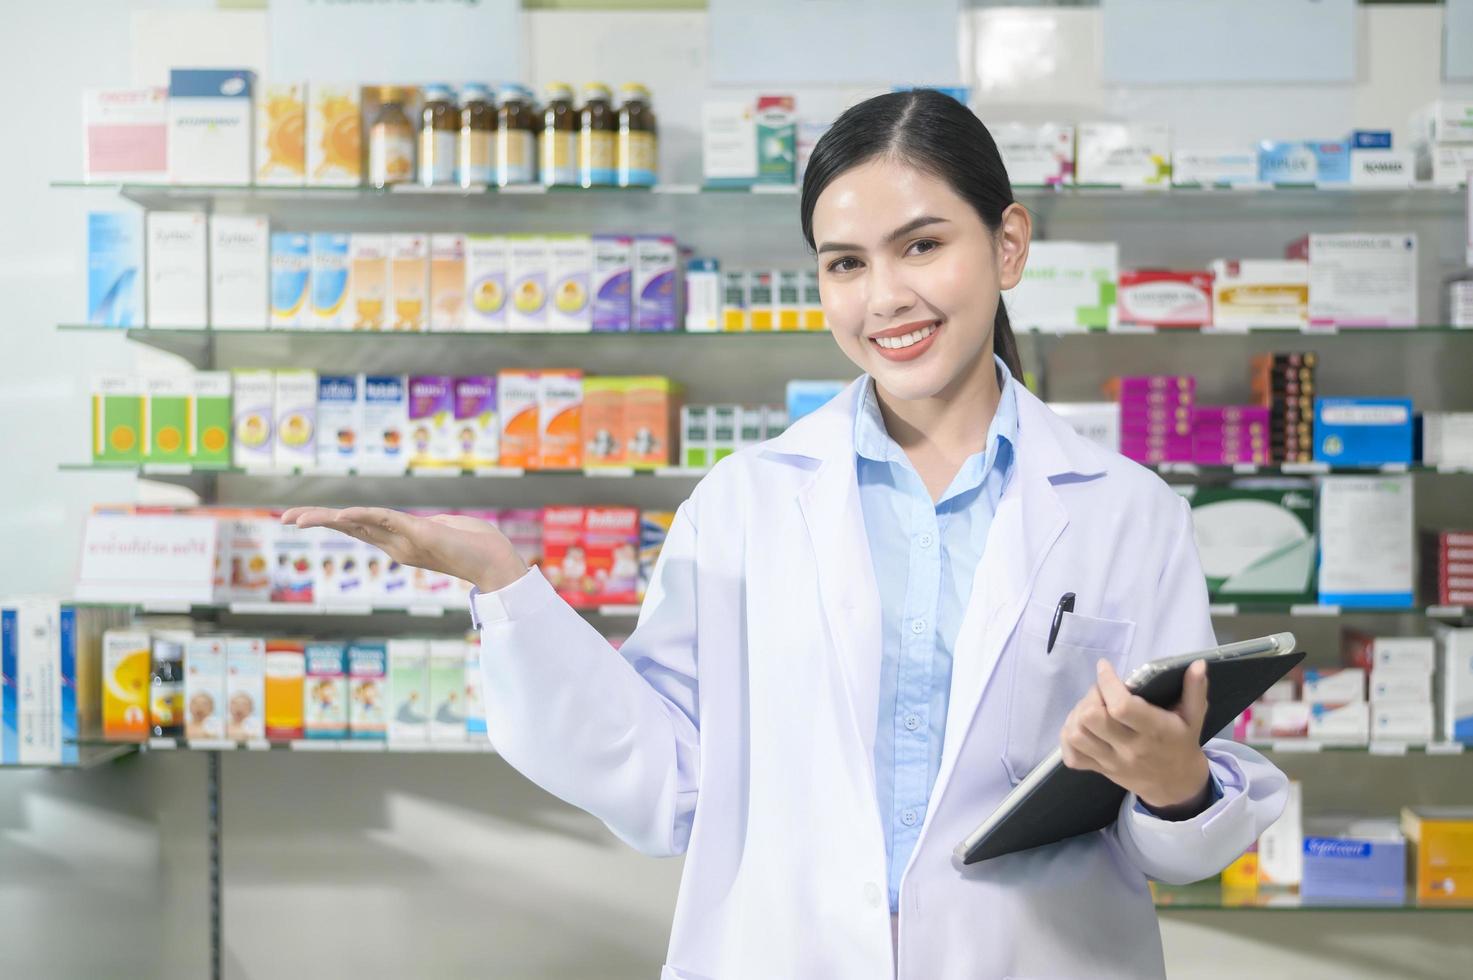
(1440,846)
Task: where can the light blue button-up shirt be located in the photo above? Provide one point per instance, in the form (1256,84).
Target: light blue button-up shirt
(925,556)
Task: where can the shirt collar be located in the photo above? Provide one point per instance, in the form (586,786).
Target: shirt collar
(872,440)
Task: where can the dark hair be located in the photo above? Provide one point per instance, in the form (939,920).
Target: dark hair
(934,133)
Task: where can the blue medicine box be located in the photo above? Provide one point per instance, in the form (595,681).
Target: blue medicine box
(1363,431)
(1332,161)
(1361,863)
(1370,139)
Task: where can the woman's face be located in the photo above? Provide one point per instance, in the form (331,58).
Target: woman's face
(910,276)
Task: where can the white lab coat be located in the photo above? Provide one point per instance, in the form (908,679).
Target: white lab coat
(737,723)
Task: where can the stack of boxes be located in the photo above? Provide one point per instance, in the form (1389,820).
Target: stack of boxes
(1155,416)
(710,433)
(1284,383)
(1335,701)
(1447,567)
(1442,141)
(1400,669)
(1223,435)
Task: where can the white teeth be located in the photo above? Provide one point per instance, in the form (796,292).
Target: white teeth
(906,340)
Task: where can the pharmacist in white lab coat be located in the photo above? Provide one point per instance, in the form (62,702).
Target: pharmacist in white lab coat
(841,664)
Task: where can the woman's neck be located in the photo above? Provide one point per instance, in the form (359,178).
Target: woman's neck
(938,434)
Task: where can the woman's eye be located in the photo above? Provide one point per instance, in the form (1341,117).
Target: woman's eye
(846,264)
(924,245)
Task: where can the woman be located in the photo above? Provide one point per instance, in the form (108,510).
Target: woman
(841,665)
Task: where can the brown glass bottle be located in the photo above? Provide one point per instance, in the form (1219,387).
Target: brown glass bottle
(558,141)
(390,140)
(477,167)
(598,134)
(638,149)
(439,134)
(516,129)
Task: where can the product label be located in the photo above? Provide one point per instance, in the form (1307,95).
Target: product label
(516,157)
(596,151)
(390,156)
(637,162)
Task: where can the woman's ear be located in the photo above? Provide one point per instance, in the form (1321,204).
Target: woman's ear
(1013,235)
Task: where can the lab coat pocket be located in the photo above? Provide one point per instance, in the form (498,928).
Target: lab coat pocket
(1044,687)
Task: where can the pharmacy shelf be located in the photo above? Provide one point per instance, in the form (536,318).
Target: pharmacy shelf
(185,472)
(1210,896)
(89,755)
(379,746)
(1381,747)
(1312,610)
(1061,201)
(333,610)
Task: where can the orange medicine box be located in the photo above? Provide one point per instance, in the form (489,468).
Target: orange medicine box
(285,684)
(564,560)
(651,418)
(560,419)
(517,395)
(604,432)
(1440,839)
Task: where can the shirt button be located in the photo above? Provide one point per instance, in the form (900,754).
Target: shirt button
(872,894)
(918,627)
(924,540)
(909,817)
(912,722)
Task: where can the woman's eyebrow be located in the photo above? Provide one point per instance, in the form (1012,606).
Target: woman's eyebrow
(901,232)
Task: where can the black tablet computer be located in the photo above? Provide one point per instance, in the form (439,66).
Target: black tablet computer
(1055,802)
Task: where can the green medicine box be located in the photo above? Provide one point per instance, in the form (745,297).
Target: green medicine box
(211,420)
(117,420)
(167,435)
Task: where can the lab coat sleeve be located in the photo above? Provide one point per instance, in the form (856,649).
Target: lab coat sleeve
(615,733)
(1253,789)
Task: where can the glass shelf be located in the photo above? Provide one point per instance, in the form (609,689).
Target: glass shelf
(90,753)
(343,610)
(471,746)
(1210,896)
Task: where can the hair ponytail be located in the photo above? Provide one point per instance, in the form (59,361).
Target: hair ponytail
(936,134)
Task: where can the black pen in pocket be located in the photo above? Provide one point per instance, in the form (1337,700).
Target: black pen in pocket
(1066,605)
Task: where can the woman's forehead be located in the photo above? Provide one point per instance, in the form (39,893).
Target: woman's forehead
(875,197)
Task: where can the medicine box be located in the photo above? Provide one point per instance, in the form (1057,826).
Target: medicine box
(385,423)
(340,577)
(254,419)
(447,690)
(1212,167)
(291,279)
(368,689)
(1287,162)
(612,283)
(812,318)
(285,685)
(564,557)
(166,434)
(432,441)
(1256,544)
(1441,843)
(245,688)
(703,296)
(240,270)
(1457,684)
(1334,686)
(656,284)
(447,282)
(334,136)
(1363,860)
(409,281)
(1066,286)
(761,300)
(517,396)
(117,419)
(125,685)
(777,136)
(281,134)
(125,135)
(1363,431)
(368,278)
(210,422)
(728,144)
(1124,154)
(651,413)
(1407,721)
(734,300)
(475,706)
(339,421)
(296,420)
(570,265)
(1164,298)
(527,263)
(1360,279)
(293,564)
(1260,293)
(485,278)
(326,709)
(1281,846)
(1401,686)
(695,437)
(611,549)
(1036,154)
(114,269)
(1340,724)
(559,419)
(331,263)
(604,431)
(176,257)
(204,688)
(409,690)
(210,126)
(477,429)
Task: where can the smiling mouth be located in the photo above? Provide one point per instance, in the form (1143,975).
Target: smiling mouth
(906,340)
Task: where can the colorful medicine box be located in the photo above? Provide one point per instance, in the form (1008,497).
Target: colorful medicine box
(477,430)
(368,689)
(559,420)
(210,420)
(281,134)
(431,421)
(1363,431)
(326,705)
(385,423)
(117,419)
(114,269)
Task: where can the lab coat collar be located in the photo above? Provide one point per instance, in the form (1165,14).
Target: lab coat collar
(1029,520)
(1049,445)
